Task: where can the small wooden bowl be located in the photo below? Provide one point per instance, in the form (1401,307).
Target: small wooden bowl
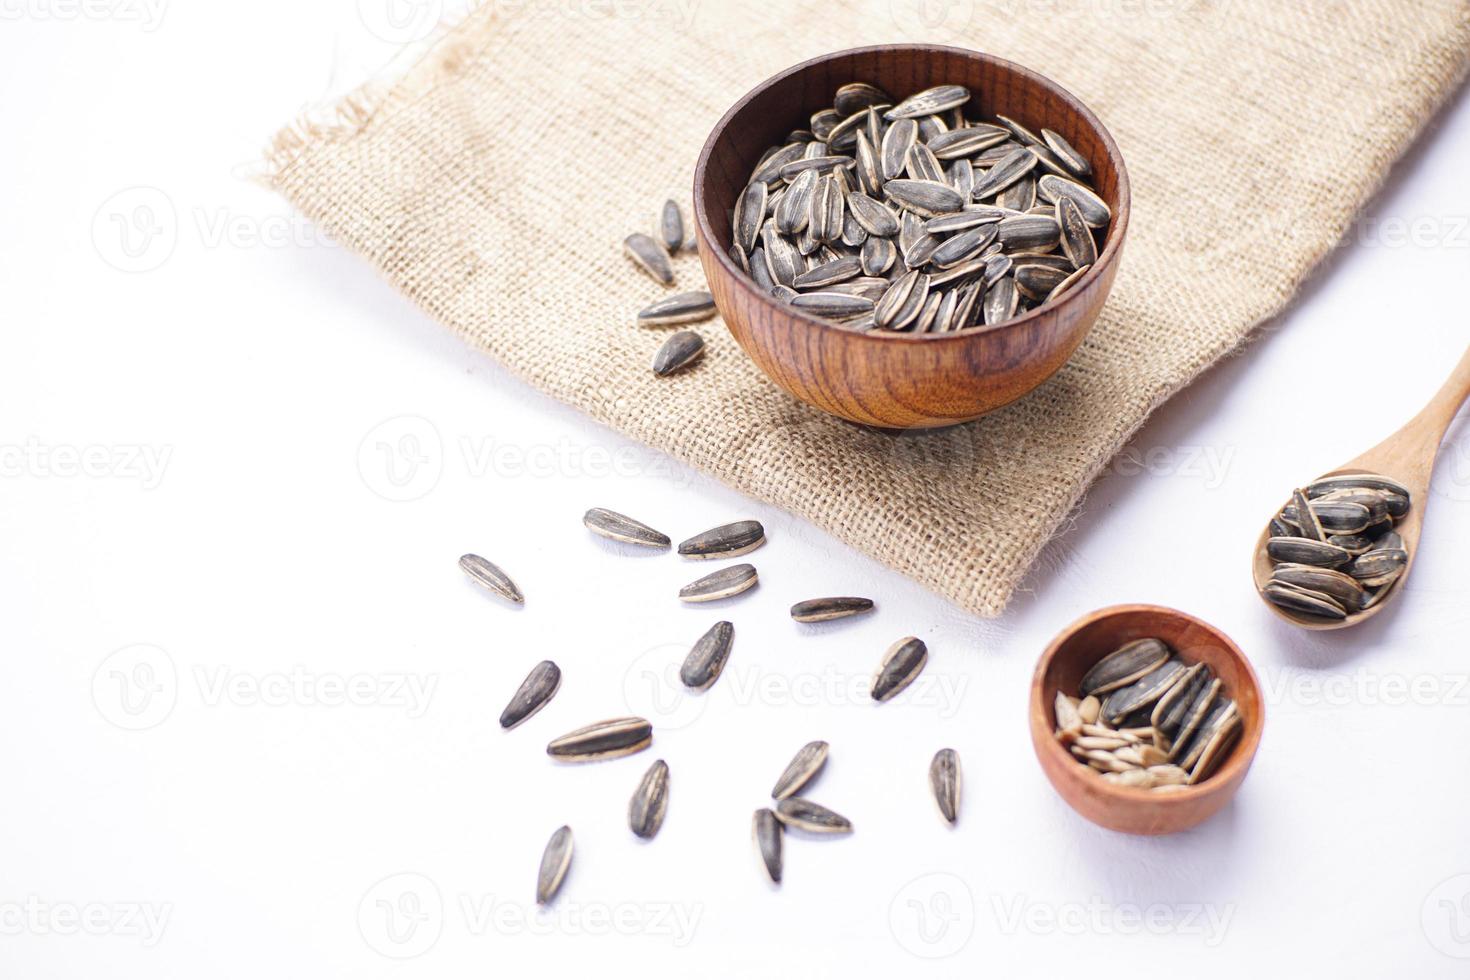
(1129,809)
(896,380)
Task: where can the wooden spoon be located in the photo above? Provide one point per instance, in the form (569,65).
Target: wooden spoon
(1406,456)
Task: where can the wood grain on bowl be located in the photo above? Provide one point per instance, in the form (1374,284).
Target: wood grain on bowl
(1122,808)
(897,380)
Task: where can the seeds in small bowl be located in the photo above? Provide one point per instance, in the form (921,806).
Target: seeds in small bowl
(1333,547)
(925,202)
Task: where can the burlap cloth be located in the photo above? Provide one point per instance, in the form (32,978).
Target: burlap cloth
(494,181)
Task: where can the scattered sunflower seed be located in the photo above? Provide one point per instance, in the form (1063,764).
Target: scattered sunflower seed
(834,607)
(766,831)
(539,687)
(708,656)
(723,584)
(620,527)
(603,740)
(802,769)
(649,256)
(725,541)
(650,801)
(678,352)
(901,664)
(489,575)
(671,227)
(944,780)
(679,308)
(803,814)
(555,861)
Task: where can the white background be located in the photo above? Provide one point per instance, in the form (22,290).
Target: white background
(253,406)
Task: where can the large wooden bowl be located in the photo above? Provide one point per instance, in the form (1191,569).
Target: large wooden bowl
(1128,809)
(896,380)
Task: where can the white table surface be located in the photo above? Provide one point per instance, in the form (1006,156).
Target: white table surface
(248,703)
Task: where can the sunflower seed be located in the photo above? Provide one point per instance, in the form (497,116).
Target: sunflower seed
(620,527)
(816,165)
(927,198)
(929,102)
(766,831)
(1194,716)
(829,273)
(650,801)
(649,256)
(794,210)
(1069,719)
(857,96)
(833,305)
(835,607)
(944,780)
(1029,231)
(875,217)
(1356,481)
(961,176)
(750,212)
(1168,713)
(539,687)
(723,584)
(555,861)
(801,770)
(1066,154)
(1379,567)
(960,143)
(1304,551)
(1017,164)
(708,656)
(1001,300)
(725,541)
(1077,242)
(901,664)
(878,256)
(489,575)
(1142,693)
(1300,600)
(604,740)
(1094,209)
(1036,282)
(1125,665)
(679,308)
(1068,284)
(678,352)
(964,246)
(671,227)
(803,814)
(769,172)
(1341,588)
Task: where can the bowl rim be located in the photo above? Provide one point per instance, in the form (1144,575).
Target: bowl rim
(1225,779)
(1117,231)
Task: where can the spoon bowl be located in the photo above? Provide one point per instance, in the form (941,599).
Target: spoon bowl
(1407,457)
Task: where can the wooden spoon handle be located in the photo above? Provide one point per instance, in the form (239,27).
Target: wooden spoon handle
(1409,453)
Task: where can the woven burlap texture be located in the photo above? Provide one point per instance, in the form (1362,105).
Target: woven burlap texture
(494,181)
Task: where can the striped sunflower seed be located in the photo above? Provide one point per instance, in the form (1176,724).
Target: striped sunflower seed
(1020,132)
(929,102)
(964,246)
(1305,551)
(1299,600)
(944,780)
(1029,231)
(725,541)
(857,96)
(1124,665)
(875,216)
(801,770)
(708,656)
(766,831)
(649,256)
(1070,283)
(829,273)
(1001,301)
(901,664)
(603,740)
(961,143)
(650,801)
(833,304)
(555,861)
(750,213)
(803,814)
(723,584)
(794,210)
(679,308)
(671,227)
(1142,693)
(620,527)
(927,198)
(539,687)
(1077,242)
(1094,209)
(678,352)
(893,151)
(834,607)
(489,575)
(1075,163)
(878,256)
(1036,282)
(922,164)
(1017,164)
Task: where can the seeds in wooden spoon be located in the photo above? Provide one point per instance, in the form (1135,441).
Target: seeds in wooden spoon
(678,352)
(833,607)
(603,740)
(621,527)
(723,584)
(944,780)
(555,861)
(539,687)
(650,801)
(649,256)
(803,814)
(725,541)
(707,658)
(801,770)
(489,575)
(679,308)
(903,662)
(766,831)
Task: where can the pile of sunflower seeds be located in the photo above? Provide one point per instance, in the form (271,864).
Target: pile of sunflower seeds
(1334,548)
(1144,718)
(617,737)
(651,254)
(908,216)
